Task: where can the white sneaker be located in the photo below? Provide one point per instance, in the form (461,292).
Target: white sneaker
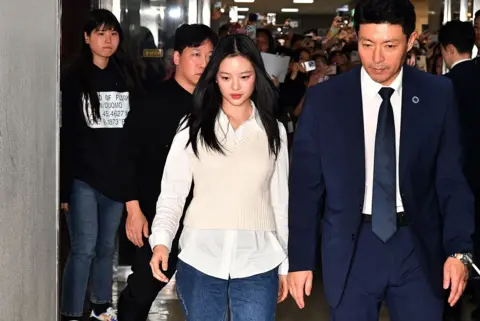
(110,315)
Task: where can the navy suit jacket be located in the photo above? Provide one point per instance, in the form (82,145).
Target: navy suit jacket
(328,173)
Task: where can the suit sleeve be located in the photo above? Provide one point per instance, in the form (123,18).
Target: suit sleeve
(455,197)
(306,189)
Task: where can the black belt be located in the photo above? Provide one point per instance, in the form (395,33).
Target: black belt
(401,219)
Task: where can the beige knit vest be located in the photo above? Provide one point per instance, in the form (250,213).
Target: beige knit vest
(232,191)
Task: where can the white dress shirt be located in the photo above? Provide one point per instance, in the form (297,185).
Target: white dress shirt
(459,62)
(222,254)
(372,101)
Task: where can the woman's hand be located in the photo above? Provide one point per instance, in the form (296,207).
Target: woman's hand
(314,78)
(160,256)
(411,60)
(295,67)
(336,23)
(282,289)
(276,81)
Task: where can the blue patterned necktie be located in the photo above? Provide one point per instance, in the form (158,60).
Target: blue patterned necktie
(384,207)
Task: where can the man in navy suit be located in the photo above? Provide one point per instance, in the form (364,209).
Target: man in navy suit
(457,39)
(378,149)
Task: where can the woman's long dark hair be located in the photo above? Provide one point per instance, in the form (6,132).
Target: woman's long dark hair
(208,98)
(99,19)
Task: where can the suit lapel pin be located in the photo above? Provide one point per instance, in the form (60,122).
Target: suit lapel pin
(415,100)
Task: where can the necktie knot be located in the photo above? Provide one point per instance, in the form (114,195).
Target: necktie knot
(386,93)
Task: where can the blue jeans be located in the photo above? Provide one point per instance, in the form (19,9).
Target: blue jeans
(93,221)
(206,298)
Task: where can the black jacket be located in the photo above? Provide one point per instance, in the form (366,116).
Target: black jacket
(149,132)
(466,82)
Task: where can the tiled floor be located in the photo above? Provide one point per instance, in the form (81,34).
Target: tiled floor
(167,307)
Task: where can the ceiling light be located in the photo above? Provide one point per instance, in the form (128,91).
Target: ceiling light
(175,13)
(289,10)
(244,1)
(239,9)
(302,1)
(241,16)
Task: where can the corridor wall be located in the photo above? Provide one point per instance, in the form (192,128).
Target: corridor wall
(29,61)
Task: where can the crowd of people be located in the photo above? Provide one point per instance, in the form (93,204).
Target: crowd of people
(239,183)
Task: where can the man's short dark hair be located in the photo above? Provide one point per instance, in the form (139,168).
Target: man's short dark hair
(459,34)
(193,36)
(477,14)
(394,12)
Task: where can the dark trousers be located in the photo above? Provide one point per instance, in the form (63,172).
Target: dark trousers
(387,272)
(452,313)
(142,288)
(476,254)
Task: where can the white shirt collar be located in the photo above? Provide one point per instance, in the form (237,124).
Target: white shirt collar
(370,88)
(459,62)
(225,123)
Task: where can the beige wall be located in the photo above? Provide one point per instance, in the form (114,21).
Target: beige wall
(421,10)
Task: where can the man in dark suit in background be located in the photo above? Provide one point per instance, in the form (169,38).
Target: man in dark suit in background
(398,214)
(456,40)
(149,134)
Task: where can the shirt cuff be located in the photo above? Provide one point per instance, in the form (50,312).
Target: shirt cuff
(283,268)
(160,238)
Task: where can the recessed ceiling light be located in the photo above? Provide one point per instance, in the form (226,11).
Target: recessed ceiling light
(239,9)
(244,1)
(289,10)
(302,1)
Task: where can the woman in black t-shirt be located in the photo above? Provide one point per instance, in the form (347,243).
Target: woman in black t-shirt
(95,103)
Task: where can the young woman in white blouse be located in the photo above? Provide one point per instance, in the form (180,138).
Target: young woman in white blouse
(234,241)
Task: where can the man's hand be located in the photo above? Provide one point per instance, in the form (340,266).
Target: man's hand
(298,282)
(136,225)
(282,289)
(455,276)
(160,256)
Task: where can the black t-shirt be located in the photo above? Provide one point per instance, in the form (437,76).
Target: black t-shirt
(89,150)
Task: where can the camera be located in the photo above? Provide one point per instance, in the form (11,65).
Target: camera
(309,65)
